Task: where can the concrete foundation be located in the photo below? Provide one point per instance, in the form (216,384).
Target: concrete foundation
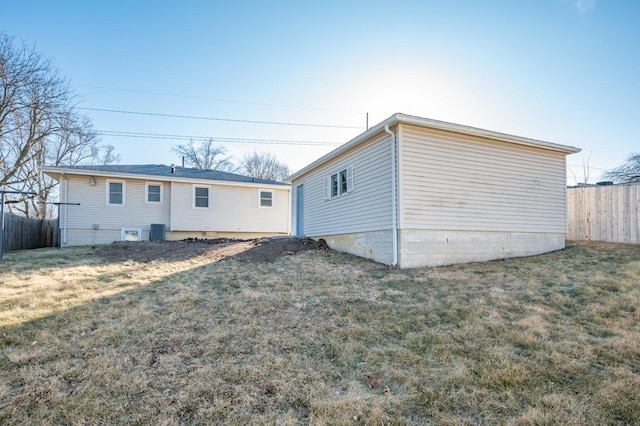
(82,237)
(419,248)
(374,245)
(436,248)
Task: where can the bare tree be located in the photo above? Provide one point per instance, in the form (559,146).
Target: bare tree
(263,165)
(627,172)
(586,171)
(206,156)
(38,125)
(105,155)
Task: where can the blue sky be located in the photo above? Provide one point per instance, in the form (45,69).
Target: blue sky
(563,71)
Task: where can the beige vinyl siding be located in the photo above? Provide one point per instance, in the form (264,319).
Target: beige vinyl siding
(458,182)
(231,209)
(94,209)
(366,208)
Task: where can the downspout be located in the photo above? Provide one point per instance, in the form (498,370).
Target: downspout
(289,210)
(66,200)
(394,202)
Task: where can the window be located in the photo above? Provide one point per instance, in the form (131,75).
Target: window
(343,182)
(339,183)
(334,186)
(131,234)
(201,196)
(154,193)
(266,198)
(115,193)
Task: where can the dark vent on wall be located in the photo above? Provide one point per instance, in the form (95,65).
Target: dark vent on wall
(157,232)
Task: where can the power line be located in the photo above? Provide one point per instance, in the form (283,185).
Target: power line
(191,117)
(214,99)
(205,138)
(587,166)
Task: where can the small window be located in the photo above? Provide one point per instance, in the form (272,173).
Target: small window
(334,185)
(154,193)
(343,182)
(115,194)
(201,197)
(339,183)
(131,234)
(266,198)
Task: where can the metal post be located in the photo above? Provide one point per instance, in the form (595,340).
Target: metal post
(1,225)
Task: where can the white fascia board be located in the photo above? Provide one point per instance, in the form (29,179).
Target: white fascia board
(378,128)
(488,134)
(54,171)
(400,118)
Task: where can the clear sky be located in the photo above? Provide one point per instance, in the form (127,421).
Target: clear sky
(563,71)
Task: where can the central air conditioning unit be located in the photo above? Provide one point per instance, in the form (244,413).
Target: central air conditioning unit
(157,232)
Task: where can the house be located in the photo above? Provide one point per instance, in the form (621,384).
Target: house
(122,202)
(414,192)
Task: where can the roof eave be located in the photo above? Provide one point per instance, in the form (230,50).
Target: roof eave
(378,128)
(400,118)
(56,170)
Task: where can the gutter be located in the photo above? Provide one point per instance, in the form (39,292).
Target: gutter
(159,178)
(394,202)
(431,124)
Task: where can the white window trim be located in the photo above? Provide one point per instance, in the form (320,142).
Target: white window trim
(273,198)
(123,233)
(328,184)
(124,192)
(193,196)
(146,192)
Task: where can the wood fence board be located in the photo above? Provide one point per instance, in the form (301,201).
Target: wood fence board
(22,233)
(604,213)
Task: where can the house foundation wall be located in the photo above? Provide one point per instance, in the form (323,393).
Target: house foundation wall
(82,237)
(420,248)
(375,245)
(181,235)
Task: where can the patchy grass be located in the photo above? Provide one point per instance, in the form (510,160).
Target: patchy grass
(320,338)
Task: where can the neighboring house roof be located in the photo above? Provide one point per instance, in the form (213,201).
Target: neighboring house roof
(159,170)
(400,118)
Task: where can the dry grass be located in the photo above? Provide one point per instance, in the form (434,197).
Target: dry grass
(552,339)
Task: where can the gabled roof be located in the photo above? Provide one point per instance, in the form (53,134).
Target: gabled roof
(159,170)
(428,123)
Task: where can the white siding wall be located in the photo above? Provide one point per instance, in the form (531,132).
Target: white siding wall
(466,183)
(93,208)
(366,208)
(232,209)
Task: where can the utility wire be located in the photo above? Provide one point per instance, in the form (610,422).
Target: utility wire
(220,119)
(215,99)
(204,138)
(588,167)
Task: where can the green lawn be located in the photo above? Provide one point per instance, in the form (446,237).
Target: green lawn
(320,338)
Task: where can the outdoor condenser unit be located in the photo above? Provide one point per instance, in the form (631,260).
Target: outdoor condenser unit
(157,232)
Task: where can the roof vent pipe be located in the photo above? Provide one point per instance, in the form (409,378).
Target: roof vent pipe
(173,168)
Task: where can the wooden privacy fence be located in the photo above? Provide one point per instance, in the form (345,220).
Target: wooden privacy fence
(604,213)
(26,233)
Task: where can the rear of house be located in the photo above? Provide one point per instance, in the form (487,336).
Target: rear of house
(417,192)
(123,202)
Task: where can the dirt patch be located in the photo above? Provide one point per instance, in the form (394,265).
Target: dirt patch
(256,250)
(269,249)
